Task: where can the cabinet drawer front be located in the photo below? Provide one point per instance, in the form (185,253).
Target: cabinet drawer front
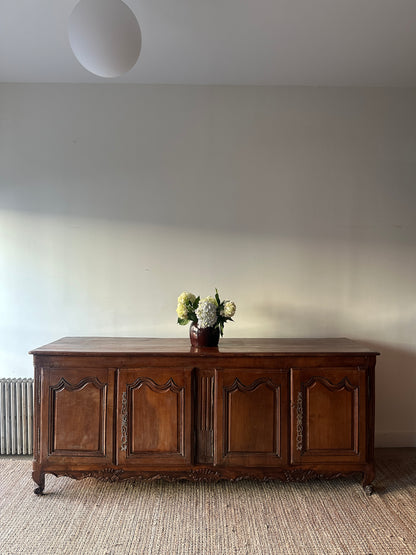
(77,415)
(251,421)
(154,417)
(328,415)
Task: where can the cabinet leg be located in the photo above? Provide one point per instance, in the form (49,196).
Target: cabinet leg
(368,477)
(39,479)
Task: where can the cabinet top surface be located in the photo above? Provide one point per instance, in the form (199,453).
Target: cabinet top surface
(94,346)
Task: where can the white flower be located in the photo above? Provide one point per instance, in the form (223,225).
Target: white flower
(207,312)
(210,312)
(229,309)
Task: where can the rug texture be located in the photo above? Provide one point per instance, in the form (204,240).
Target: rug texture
(91,517)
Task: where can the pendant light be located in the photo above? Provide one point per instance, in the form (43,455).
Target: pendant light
(104,36)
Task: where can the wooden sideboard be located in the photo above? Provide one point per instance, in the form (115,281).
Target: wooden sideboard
(127,408)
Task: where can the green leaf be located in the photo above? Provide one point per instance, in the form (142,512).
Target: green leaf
(217,297)
(182,321)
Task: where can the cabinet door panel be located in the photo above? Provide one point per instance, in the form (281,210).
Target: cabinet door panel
(78,415)
(251,421)
(155,417)
(328,414)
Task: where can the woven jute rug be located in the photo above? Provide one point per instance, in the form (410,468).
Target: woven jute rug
(330,517)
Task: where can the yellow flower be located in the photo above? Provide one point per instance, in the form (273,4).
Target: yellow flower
(186,297)
(181,311)
(183,301)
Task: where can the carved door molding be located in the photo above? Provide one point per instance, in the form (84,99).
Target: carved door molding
(154,417)
(78,415)
(328,415)
(251,417)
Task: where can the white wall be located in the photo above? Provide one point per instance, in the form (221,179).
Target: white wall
(297,203)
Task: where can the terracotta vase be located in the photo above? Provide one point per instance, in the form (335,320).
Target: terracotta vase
(204,337)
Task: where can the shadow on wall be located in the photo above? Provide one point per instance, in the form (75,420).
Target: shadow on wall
(295,162)
(395,367)
(395,394)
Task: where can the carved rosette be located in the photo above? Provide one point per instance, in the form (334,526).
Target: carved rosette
(105,475)
(204,475)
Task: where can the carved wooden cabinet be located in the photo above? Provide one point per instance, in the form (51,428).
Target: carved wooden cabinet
(126,408)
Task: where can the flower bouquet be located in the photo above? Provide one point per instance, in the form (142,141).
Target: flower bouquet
(207,317)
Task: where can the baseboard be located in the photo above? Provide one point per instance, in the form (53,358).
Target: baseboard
(395,439)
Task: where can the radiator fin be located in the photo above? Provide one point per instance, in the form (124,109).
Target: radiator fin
(16,416)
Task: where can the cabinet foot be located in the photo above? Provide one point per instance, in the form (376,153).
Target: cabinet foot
(39,479)
(369,489)
(368,477)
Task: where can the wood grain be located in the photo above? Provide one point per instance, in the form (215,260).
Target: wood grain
(265,408)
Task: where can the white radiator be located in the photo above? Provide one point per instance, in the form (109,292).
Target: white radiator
(16,416)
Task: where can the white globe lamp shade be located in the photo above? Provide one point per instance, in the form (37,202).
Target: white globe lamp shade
(105,36)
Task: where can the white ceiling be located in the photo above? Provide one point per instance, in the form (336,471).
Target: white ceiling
(235,42)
